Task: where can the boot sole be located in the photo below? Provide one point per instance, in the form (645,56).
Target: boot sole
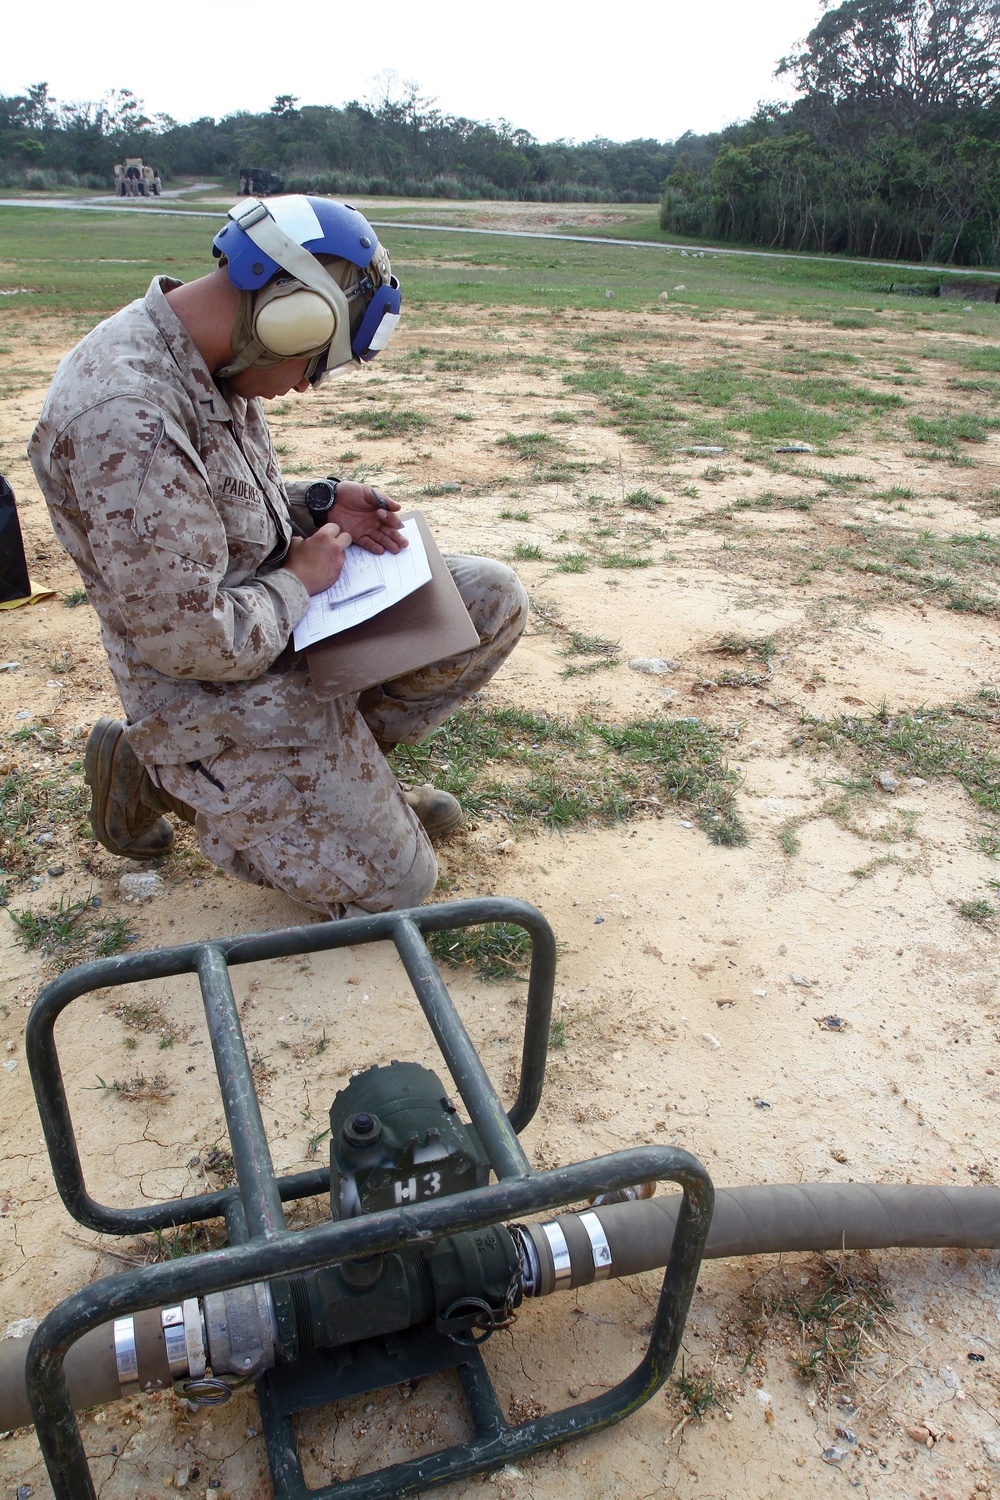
(98,760)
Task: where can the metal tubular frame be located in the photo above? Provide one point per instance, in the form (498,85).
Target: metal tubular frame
(262,1248)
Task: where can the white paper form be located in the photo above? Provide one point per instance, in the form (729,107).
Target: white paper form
(366,586)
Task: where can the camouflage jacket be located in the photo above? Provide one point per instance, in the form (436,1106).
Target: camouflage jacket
(167,494)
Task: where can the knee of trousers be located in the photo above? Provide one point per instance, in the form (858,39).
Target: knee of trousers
(412,888)
(499,605)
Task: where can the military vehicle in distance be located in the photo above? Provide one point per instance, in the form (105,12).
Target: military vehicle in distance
(257,182)
(134,180)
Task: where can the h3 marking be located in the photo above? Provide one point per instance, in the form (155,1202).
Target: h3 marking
(414,1188)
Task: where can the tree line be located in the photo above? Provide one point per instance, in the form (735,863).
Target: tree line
(398,143)
(891,150)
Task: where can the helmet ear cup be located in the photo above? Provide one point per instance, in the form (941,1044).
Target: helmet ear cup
(294,321)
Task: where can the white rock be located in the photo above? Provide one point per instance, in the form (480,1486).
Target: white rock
(887,782)
(21,1328)
(141,885)
(713,1041)
(653,666)
(801,980)
(991,1446)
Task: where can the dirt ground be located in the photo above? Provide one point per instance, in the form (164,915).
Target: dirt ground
(693,979)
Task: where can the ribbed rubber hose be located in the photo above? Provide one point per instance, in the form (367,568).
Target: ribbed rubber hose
(769,1220)
(747,1221)
(91,1369)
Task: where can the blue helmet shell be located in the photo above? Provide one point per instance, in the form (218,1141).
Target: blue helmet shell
(346,234)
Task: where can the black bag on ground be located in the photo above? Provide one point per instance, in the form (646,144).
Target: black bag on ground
(14,581)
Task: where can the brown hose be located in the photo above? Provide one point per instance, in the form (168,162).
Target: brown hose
(90,1366)
(768,1220)
(747,1221)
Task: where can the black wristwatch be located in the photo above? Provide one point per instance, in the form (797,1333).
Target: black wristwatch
(320,499)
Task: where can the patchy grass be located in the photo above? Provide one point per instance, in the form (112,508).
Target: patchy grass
(538,770)
(925,742)
(959,572)
(788,839)
(529,446)
(156,1089)
(662,404)
(384,421)
(148,1016)
(643,500)
(948,431)
(835,1319)
(588,653)
(624,560)
(41,808)
(69,933)
(762,648)
(497,950)
(697,1391)
(978,912)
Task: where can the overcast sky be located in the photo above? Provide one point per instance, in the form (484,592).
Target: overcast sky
(647,68)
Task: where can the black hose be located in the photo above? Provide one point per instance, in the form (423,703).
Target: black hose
(765,1221)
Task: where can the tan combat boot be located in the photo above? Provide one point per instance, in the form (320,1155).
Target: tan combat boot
(439,812)
(125,806)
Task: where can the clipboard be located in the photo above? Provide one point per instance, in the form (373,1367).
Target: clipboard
(431,624)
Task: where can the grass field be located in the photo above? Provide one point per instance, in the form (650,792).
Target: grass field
(76,262)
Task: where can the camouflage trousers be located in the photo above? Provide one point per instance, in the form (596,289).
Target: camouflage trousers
(325,821)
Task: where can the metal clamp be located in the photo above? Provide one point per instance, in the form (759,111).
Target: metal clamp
(599,1247)
(126,1357)
(561,1263)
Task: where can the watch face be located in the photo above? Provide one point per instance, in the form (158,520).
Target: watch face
(320,496)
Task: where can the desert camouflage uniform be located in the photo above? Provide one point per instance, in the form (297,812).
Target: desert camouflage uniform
(167,494)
